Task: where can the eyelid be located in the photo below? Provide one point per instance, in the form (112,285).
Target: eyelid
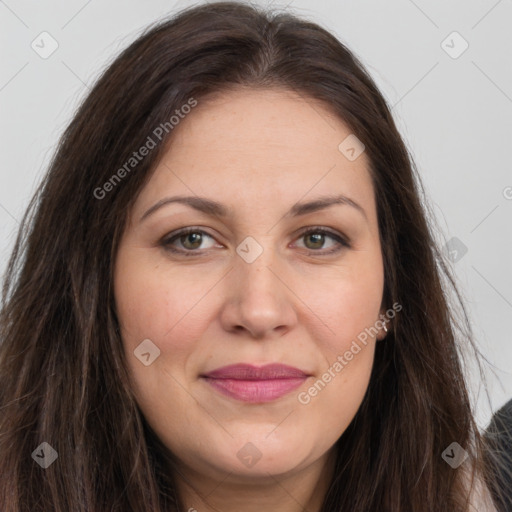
(340,238)
(174,235)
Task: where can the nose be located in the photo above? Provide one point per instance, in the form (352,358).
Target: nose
(258,298)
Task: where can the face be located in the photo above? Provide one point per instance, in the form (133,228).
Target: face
(260,279)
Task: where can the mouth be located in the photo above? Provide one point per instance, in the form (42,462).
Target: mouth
(253,384)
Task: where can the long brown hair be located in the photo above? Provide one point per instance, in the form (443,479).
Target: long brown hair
(63,378)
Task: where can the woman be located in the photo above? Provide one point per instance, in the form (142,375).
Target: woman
(226,294)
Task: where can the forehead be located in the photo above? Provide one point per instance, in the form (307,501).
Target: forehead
(261,123)
(259,145)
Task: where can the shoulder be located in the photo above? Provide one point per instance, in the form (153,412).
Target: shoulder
(498,437)
(501,423)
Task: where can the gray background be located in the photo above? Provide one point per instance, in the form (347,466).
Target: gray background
(455,115)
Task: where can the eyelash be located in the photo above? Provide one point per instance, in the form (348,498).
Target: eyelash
(166,243)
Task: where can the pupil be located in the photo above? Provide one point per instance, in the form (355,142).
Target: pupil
(193,235)
(319,238)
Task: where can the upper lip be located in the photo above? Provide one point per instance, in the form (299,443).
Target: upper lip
(244,371)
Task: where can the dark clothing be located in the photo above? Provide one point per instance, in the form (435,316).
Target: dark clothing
(499,437)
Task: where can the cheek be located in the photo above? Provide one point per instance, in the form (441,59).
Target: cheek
(349,309)
(172,317)
(334,396)
(347,304)
(347,389)
(155,304)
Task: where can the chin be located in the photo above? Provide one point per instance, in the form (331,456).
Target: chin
(258,456)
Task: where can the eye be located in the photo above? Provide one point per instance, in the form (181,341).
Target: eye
(190,240)
(315,239)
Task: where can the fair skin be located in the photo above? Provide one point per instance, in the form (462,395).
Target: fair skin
(258,152)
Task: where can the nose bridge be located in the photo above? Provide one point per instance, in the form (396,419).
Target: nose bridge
(258,299)
(256,264)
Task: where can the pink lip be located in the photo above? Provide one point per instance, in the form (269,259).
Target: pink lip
(255,384)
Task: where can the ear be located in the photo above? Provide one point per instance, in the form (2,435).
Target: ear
(383,325)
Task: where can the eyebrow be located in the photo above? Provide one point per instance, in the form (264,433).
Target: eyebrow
(214,208)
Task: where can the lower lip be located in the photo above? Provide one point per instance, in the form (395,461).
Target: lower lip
(255,391)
